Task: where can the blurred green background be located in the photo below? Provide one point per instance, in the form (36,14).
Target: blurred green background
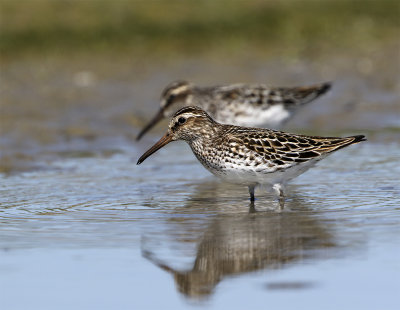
(292,27)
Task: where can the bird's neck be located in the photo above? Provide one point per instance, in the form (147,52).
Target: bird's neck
(205,139)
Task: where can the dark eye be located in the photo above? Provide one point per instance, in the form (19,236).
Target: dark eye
(181,120)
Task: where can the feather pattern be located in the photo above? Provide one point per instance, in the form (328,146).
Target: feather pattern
(238,104)
(245,155)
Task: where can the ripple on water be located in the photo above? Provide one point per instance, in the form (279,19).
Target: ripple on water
(199,230)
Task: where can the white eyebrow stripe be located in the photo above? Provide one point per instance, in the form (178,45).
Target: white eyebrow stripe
(179,89)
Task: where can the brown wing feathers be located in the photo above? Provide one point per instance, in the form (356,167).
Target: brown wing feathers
(279,147)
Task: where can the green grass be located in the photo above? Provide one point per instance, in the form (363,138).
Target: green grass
(187,27)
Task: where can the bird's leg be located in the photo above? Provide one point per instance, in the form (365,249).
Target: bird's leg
(252,208)
(281,199)
(281,196)
(251,192)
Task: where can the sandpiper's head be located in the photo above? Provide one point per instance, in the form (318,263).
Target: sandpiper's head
(173,97)
(188,123)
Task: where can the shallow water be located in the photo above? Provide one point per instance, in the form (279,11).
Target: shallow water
(101,232)
(83,227)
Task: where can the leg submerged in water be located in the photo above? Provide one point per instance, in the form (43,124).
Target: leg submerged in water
(251,192)
(281,196)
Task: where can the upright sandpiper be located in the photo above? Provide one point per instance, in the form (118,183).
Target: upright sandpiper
(249,156)
(237,104)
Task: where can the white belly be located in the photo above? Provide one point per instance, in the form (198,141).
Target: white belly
(258,175)
(273,117)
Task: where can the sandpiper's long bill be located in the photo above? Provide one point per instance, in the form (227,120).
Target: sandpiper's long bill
(238,104)
(249,156)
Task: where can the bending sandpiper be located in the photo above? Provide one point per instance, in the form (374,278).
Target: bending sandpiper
(237,104)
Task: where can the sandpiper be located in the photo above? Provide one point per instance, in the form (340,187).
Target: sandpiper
(237,104)
(249,156)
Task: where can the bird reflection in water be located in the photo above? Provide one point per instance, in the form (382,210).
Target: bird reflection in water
(234,244)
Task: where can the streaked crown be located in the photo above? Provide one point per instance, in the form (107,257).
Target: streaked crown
(175,92)
(190,123)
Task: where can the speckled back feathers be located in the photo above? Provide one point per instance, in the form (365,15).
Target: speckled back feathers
(223,147)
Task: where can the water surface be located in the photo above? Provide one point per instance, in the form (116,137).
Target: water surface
(101,232)
(83,227)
